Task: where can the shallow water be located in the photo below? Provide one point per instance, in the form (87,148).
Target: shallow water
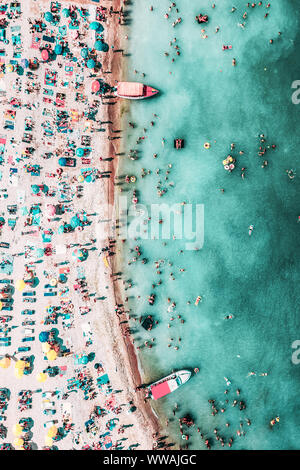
(206,99)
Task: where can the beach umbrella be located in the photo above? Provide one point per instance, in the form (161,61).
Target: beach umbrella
(80,255)
(17,430)
(80,152)
(49,16)
(52,431)
(52,355)
(90,64)
(41,377)
(20,285)
(39,252)
(80,178)
(105,47)
(1,306)
(25,63)
(66,12)
(75,221)
(48,441)
(58,49)
(95,86)
(35,188)
(84,53)
(60,229)
(46,347)
(44,336)
(101,46)
(19,373)
(53,282)
(20,70)
(10,67)
(95,26)
(51,210)
(45,55)
(18,442)
(98,45)
(5,362)
(20,364)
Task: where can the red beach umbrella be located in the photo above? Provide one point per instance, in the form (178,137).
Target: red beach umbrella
(95,86)
(45,55)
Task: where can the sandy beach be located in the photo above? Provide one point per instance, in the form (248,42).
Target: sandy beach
(89,325)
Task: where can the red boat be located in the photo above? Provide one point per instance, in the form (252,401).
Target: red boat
(135,90)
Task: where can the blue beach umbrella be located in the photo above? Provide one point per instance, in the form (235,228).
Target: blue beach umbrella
(98,46)
(62,278)
(35,188)
(60,229)
(58,49)
(105,47)
(75,221)
(49,16)
(84,53)
(90,64)
(44,336)
(79,152)
(95,26)
(101,46)
(25,63)
(39,252)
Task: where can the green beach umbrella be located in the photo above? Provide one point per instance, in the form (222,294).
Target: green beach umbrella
(90,64)
(49,16)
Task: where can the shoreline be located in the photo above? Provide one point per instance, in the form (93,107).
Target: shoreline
(132,372)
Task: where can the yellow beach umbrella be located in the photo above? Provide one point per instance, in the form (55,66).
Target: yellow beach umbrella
(48,441)
(52,431)
(105,261)
(5,362)
(52,355)
(1,305)
(20,285)
(19,373)
(41,377)
(53,282)
(20,364)
(80,178)
(46,347)
(18,442)
(17,430)
(10,67)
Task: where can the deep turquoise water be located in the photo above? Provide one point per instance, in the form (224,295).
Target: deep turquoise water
(256,278)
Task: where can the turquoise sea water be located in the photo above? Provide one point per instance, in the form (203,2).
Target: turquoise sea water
(255,279)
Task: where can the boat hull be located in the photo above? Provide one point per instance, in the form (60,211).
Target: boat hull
(169,384)
(144,92)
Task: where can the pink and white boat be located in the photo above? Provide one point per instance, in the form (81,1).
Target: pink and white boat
(135,90)
(169,384)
